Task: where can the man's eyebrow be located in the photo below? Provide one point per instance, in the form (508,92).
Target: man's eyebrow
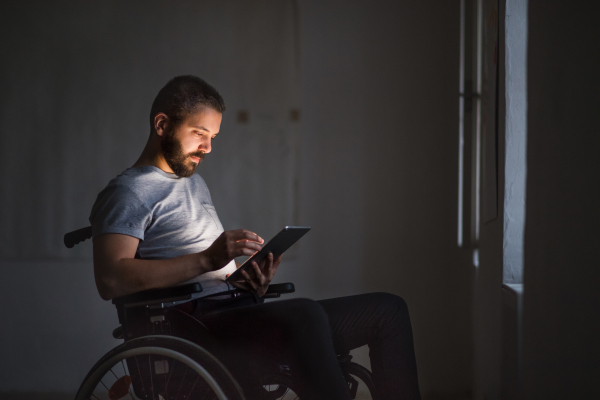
(201,128)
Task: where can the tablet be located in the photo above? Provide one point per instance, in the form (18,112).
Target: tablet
(278,245)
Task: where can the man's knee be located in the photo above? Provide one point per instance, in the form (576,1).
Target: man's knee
(391,302)
(307,309)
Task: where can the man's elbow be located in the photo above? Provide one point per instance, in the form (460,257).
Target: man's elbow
(105,295)
(111,285)
(108,285)
(106,288)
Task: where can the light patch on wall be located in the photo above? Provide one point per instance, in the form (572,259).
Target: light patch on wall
(461,126)
(516,140)
(476,257)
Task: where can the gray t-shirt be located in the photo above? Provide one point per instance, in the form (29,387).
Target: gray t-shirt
(171,216)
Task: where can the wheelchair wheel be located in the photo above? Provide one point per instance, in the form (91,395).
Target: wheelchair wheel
(352,371)
(159,368)
(278,387)
(281,387)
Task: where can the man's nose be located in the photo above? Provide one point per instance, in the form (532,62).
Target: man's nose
(205,146)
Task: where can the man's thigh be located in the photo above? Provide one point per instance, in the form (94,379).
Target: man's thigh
(356,320)
(293,332)
(268,330)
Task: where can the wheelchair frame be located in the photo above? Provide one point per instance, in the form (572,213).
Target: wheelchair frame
(152,325)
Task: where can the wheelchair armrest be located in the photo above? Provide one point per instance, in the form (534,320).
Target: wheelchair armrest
(278,289)
(273,291)
(158,296)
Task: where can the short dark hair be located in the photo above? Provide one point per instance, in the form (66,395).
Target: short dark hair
(181,97)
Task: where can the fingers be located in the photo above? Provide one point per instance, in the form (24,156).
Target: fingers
(248,244)
(251,282)
(242,242)
(232,246)
(242,285)
(258,276)
(269,265)
(256,271)
(243,234)
(272,266)
(255,278)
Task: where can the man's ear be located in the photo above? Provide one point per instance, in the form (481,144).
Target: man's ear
(161,123)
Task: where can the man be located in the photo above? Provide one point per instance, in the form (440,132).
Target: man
(155,226)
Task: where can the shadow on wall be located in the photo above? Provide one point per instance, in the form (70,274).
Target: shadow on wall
(379,170)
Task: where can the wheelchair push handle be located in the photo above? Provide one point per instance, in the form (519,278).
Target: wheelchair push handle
(72,238)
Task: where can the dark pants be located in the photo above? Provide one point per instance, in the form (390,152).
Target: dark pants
(309,334)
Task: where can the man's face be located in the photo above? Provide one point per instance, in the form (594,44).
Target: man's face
(185,145)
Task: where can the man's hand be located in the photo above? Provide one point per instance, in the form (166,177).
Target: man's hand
(259,277)
(232,244)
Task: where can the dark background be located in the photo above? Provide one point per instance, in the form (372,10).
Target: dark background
(371,165)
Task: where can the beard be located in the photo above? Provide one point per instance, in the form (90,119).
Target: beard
(180,163)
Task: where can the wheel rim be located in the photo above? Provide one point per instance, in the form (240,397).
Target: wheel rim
(365,380)
(279,387)
(99,383)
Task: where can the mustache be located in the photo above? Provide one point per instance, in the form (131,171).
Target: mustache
(199,154)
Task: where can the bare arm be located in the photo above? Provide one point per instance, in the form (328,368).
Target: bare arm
(118,273)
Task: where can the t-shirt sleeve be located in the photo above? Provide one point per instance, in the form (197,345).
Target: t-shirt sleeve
(118,209)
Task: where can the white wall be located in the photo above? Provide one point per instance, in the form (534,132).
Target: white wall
(78,80)
(378,152)
(379,178)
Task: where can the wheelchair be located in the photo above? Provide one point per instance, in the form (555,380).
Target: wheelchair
(165,353)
